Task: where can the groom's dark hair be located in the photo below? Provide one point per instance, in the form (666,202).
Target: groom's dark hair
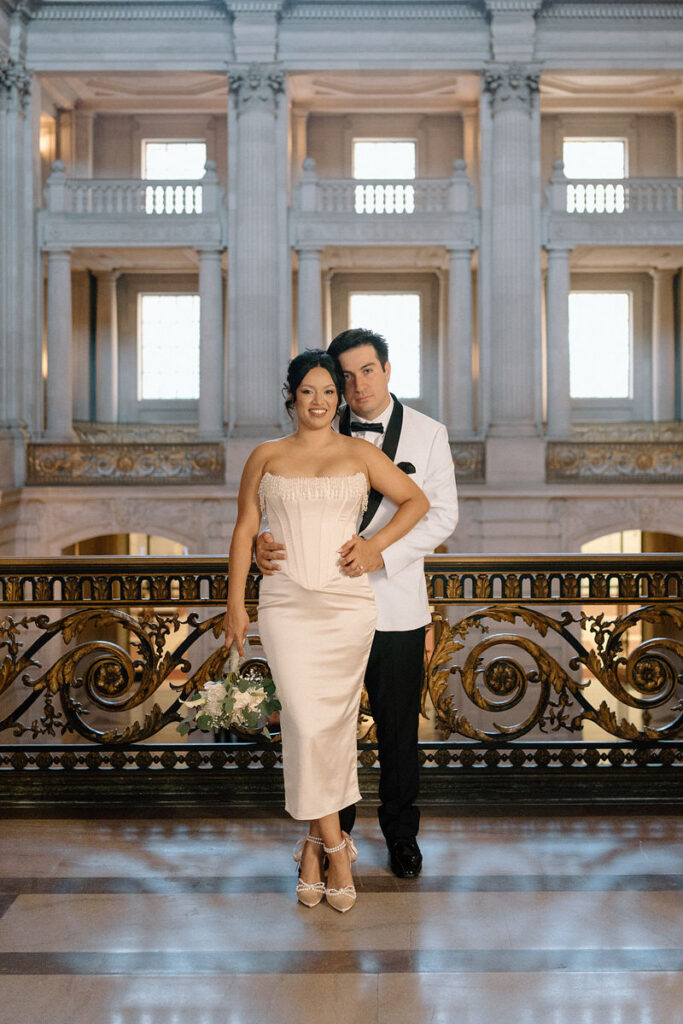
(357,336)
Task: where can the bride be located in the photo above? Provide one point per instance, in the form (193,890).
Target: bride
(316,621)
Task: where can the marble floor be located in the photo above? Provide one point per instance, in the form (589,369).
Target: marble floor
(567,920)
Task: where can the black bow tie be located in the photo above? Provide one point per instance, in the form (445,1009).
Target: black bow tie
(375,428)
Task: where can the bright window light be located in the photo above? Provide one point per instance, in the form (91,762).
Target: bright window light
(395,315)
(381,158)
(173,160)
(388,160)
(595,158)
(600,344)
(168,346)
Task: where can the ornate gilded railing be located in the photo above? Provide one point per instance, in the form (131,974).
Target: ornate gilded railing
(534,663)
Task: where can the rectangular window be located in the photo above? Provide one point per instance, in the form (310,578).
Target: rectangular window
(397,316)
(600,345)
(178,159)
(595,158)
(168,346)
(390,160)
(173,161)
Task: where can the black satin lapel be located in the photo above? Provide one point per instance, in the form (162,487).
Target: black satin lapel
(392,436)
(344,421)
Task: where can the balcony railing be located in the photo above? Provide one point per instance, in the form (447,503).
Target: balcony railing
(614,211)
(369,210)
(550,674)
(91,210)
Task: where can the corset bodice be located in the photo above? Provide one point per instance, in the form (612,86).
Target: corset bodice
(314,516)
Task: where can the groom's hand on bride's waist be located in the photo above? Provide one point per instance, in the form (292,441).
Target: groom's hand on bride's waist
(268,553)
(359,556)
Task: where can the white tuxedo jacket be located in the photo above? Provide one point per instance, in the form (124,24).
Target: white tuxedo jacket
(400,589)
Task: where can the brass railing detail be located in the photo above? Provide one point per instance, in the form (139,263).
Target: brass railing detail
(102,650)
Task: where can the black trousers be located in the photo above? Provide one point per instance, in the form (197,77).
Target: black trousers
(393,680)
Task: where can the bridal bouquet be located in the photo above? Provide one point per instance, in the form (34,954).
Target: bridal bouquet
(234,701)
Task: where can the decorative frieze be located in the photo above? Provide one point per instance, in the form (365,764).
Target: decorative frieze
(381,10)
(15,83)
(635,462)
(658,432)
(256,87)
(469,461)
(210,10)
(611,11)
(99,464)
(511,85)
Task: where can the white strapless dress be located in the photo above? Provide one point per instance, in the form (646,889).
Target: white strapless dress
(316,625)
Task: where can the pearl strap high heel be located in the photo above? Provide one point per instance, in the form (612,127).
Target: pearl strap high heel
(342,899)
(308,893)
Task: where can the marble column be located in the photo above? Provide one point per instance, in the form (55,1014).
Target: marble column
(557,338)
(515,250)
(59,352)
(456,368)
(309,292)
(15,233)
(107,349)
(663,346)
(210,344)
(259,339)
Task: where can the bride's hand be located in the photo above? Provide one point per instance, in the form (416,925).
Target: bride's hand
(235,626)
(358,556)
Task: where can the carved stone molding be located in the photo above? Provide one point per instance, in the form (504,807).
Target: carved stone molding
(512,85)
(136,433)
(99,464)
(468,459)
(634,462)
(210,10)
(613,10)
(656,432)
(381,11)
(256,87)
(15,83)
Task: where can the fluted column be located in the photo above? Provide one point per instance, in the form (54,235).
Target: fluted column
(259,339)
(16,236)
(310,311)
(456,370)
(59,353)
(107,349)
(210,344)
(663,346)
(515,249)
(557,336)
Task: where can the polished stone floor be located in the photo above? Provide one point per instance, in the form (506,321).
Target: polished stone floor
(567,920)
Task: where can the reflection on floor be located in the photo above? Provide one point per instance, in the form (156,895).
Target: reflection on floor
(522,920)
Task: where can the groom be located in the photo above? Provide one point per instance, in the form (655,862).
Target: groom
(418,445)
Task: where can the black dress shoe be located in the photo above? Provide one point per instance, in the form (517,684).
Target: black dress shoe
(405,858)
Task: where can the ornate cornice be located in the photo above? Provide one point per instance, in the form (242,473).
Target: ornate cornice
(609,11)
(613,462)
(469,10)
(256,86)
(15,83)
(124,464)
(147,10)
(510,85)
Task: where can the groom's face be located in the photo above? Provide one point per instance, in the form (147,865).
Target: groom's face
(366,383)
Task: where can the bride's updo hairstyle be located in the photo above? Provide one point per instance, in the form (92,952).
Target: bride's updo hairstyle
(303,364)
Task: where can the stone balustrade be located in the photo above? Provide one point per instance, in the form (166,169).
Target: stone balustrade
(619,211)
(135,211)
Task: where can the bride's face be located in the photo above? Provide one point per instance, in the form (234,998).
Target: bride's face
(316,399)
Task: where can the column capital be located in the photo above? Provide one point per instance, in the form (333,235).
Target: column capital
(511,85)
(15,83)
(558,248)
(256,86)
